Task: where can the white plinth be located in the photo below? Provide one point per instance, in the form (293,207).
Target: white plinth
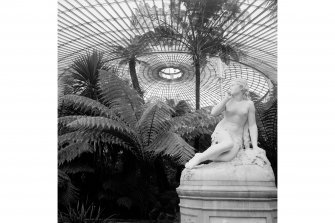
(232,192)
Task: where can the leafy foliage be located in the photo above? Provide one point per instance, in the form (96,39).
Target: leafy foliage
(82,78)
(202,28)
(67,192)
(136,46)
(125,117)
(266,118)
(81,214)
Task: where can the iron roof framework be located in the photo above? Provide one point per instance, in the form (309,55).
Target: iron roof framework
(84,25)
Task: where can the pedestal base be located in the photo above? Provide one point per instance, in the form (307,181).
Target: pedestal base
(228,193)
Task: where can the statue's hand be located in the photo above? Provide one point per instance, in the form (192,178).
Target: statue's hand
(228,95)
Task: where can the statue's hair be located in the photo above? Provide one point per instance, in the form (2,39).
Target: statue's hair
(245,88)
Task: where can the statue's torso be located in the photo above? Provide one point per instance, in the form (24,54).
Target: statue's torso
(235,116)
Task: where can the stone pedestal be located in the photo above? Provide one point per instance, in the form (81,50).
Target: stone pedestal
(242,191)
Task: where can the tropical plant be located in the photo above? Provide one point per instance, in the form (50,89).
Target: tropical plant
(67,192)
(82,213)
(266,118)
(121,122)
(130,53)
(272,5)
(82,77)
(201,28)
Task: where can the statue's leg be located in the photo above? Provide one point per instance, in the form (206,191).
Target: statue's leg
(211,153)
(225,157)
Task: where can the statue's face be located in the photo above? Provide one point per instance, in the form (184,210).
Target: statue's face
(235,88)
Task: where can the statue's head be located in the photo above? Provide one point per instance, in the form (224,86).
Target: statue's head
(239,85)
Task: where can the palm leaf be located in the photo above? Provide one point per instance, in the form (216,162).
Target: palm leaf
(84,73)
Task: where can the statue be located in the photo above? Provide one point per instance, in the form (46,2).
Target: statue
(239,185)
(231,134)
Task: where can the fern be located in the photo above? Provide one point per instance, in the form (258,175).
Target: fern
(153,121)
(268,123)
(73,151)
(194,124)
(87,105)
(170,144)
(73,168)
(101,124)
(120,97)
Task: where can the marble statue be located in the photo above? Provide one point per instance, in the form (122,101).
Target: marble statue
(239,185)
(231,137)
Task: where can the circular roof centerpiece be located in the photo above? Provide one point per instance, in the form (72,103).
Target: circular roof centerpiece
(170,73)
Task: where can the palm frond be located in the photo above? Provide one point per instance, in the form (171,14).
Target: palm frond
(84,73)
(122,99)
(65,85)
(170,144)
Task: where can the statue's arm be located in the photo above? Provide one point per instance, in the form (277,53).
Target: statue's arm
(252,125)
(217,109)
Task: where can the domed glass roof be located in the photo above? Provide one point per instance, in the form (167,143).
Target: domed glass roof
(167,71)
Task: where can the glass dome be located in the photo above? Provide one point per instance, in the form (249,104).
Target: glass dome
(168,71)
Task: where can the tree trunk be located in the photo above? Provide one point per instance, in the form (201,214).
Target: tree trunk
(197,84)
(134,79)
(197,97)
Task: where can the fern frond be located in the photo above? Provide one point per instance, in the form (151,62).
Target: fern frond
(268,127)
(73,151)
(199,120)
(73,168)
(64,120)
(120,97)
(85,105)
(154,121)
(69,137)
(172,145)
(101,124)
(98,136)
(131,145)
